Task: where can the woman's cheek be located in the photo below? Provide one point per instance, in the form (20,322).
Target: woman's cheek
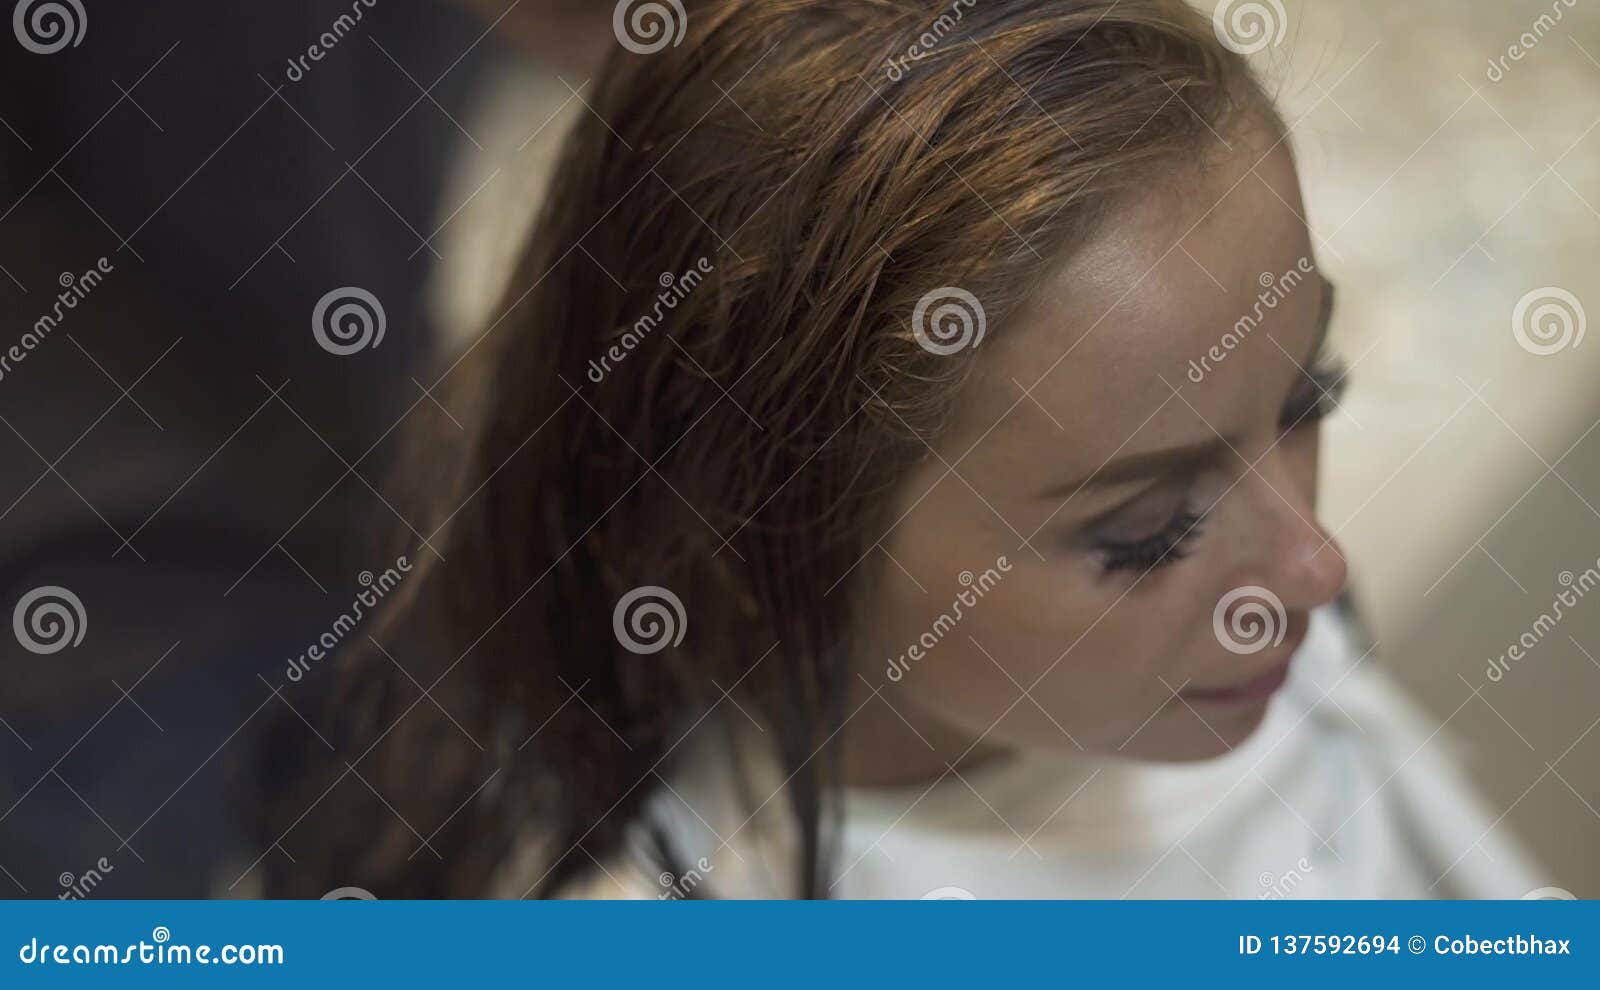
(1041,615)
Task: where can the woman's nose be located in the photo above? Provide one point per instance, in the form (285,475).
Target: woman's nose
(1305,564)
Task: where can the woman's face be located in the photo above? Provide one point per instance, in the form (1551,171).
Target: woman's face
(1138,442)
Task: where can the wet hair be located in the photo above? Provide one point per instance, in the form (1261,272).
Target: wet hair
(707,378)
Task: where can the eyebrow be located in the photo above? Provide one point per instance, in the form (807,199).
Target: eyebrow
(1136,467)
(1173,461)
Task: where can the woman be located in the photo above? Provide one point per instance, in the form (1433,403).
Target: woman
(894,475)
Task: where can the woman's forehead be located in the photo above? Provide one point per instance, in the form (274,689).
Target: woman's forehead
(1112,340)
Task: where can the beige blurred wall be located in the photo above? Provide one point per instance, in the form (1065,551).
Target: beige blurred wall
(1464,479)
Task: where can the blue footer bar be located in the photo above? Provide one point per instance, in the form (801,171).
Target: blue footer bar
(711,944)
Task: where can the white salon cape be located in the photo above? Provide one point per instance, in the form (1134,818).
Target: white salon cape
(1345,791)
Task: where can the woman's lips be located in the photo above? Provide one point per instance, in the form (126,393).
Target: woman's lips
(1263,685)
(1257,688)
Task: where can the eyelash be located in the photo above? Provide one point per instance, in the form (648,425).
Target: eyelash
(1173,541)
(1168,545)
(1317,399)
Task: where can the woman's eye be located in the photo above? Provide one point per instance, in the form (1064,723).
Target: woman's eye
(1315,398)
(1168,545)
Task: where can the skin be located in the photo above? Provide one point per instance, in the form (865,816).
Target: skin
(1120,663)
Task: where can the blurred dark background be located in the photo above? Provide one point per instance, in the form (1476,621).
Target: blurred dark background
(179,451)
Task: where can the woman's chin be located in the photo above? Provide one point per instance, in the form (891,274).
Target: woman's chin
(1185,734)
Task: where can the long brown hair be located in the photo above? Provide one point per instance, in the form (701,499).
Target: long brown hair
(706,379)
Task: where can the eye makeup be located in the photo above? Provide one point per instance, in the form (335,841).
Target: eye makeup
(1167,545)
(1151,530)
(1315,397)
